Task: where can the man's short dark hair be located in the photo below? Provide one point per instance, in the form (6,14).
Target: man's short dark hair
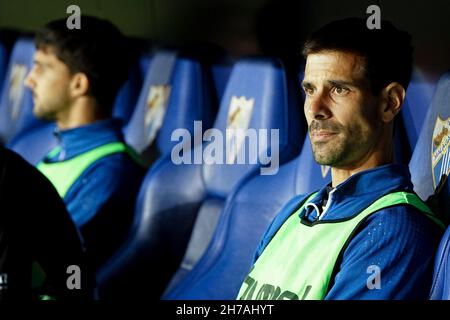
(98,50)
(387,51)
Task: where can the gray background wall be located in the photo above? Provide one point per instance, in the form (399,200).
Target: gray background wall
(247,26)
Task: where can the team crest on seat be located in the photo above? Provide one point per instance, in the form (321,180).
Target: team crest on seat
(156,106)
(16,88)
(239,114)
(440,155)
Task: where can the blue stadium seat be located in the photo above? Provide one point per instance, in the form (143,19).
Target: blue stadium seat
(248,213)
(221,74)
(433,142)
(430,167)
(35,143)
(408,126)
(128,95)
(183,94)
(16,104)
(418,98)
(174,197)
(144,64)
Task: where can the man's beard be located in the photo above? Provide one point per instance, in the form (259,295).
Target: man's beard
(42,114)
(340,149)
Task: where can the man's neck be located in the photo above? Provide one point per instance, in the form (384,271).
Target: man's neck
(79,114)
(340,175)
(379,157)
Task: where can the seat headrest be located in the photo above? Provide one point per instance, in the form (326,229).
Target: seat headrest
(258,96)
(417,100)
(16,104)
(126,98)
(430,163)
(174,95)
(191,99)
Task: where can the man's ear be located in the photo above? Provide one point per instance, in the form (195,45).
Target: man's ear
(393,96)
(79,85)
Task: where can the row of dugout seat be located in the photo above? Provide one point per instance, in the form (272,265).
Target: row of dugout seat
(197,225)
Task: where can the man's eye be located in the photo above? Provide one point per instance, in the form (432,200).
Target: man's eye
(309,91)
(340,91)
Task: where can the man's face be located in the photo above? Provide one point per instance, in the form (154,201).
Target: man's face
(343,118)
(49,81)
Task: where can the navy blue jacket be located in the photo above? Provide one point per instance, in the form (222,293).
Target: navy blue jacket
(400,240)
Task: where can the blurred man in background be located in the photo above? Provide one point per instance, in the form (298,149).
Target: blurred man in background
(75,78)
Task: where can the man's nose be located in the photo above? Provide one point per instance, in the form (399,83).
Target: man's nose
(317,107)
(29,81)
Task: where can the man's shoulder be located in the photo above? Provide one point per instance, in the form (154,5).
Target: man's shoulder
(404,222)
(404,214)
(120,163)
(290,207)
(286,211)
(110,174)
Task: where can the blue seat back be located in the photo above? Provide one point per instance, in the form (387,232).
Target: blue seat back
(247,214)
(418,98)
(127,96)
(409,124)
(188,98)
(429,164)
(34,144)
(221,74)
(273,108)
(430,167)
(16,104)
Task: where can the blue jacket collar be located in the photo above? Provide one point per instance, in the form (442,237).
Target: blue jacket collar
(78,140)
(354,194)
